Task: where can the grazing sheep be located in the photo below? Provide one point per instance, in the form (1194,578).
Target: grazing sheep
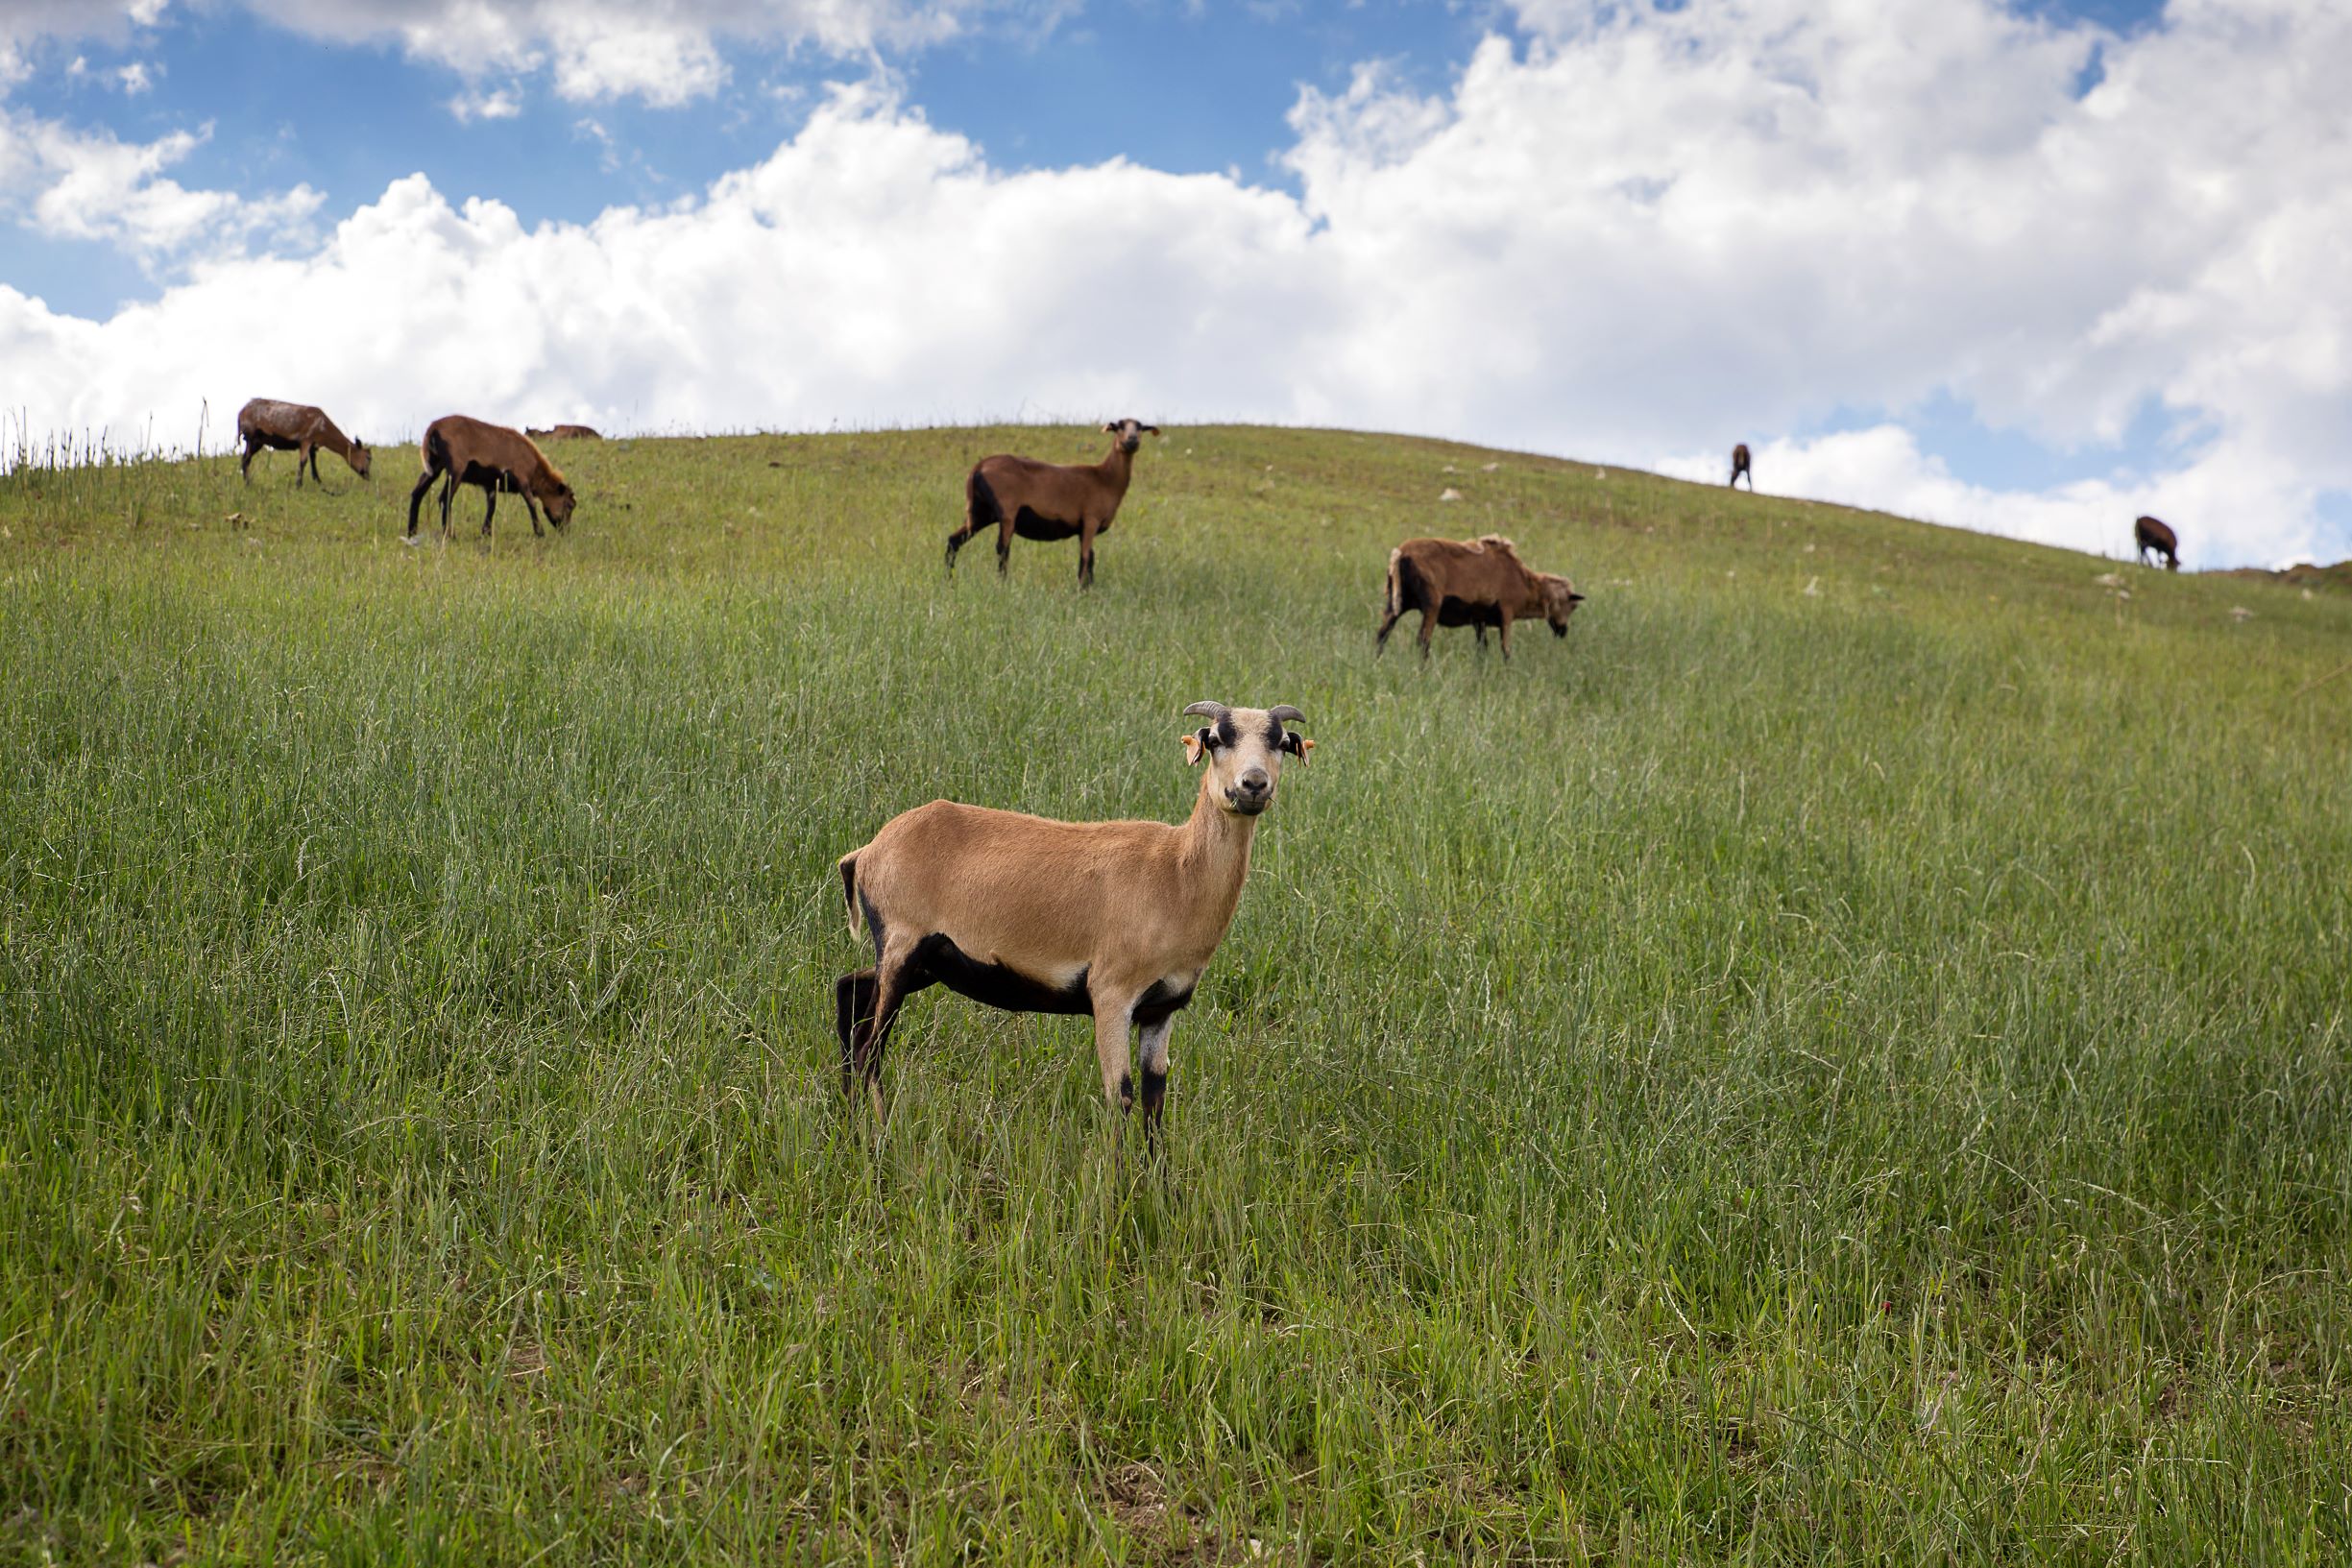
(299,428)
(1112,919)
(2156,538)
(1479,582)
(564,432)
(463,451)
(1741,466)
(1049,501)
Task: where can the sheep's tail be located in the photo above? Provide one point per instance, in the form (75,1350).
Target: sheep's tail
(1388,605)
(849,891)
(435,451)
(979,504)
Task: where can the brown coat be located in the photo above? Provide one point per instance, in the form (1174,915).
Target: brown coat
(1475,582)
(2153,538)
(1050,500)
(461,451)
(1112,919)
(300,429)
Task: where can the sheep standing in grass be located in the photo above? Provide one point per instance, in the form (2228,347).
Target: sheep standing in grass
(300,429)
(1470,582)
(1112,919)
(1048,500)
(2156,538)
(458,450)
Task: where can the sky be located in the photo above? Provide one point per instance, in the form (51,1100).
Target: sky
(2029,266)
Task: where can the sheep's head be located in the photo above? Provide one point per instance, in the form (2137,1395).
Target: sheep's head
(1245,747)
(362,459)
(559,505)
(1130,433)
(1560,602)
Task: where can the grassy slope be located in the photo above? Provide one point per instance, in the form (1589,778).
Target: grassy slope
(1853,1074)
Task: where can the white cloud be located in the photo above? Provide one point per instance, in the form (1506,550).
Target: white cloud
(80,185)
(665,53)
(1636,234)
(500,104)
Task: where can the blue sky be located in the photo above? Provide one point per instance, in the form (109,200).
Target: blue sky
(325,116)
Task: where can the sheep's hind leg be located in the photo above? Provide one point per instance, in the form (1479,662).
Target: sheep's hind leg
(415,498)
(895,980)
(853,1005)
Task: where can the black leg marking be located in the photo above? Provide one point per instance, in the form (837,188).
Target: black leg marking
(853,1005)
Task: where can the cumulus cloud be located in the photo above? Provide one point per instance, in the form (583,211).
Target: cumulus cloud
(1626,234)
(74,184)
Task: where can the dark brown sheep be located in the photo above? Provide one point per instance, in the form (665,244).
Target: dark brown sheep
(1741,466)
(462,450)
(2154,538)
(297,429)
(1049,501)
(1479,582)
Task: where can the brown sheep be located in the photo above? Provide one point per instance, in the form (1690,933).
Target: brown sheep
(2156,538)
(1479,582)
(1741,466)
(1049,501)
(297,429)
(1116,920)
(564,432)
(463,451)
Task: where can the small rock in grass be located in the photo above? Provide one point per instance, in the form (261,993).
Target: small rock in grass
(2239,612)
(1450,493)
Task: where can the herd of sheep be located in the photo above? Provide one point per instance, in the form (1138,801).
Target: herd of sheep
(1114,920)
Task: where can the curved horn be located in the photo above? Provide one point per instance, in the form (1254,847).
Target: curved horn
(1208,710)
(1287,714)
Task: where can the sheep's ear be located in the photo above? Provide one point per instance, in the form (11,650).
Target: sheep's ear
(1112,426)
(1196,746)
(1297,745)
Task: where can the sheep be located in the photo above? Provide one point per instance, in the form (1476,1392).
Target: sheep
(1741,466)
(564,432)
(469,451)
(2153,538)
(1479,582)
(299,428)
(1112,919)
(1049,501)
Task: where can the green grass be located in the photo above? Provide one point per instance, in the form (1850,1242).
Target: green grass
(1843,1058)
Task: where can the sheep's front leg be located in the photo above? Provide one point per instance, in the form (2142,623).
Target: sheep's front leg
(1086,530)
(1154,1064)
(1112,1020)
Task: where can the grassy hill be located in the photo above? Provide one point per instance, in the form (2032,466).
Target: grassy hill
(1843,1058)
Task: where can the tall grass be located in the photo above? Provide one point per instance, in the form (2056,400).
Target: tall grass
(1842,1058)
